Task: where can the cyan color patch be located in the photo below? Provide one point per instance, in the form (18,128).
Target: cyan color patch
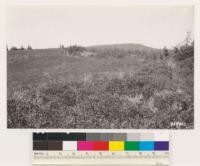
(146,146)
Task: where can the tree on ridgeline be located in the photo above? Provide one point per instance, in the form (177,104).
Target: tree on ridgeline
(13,48)
(176,50)
(165,51)
(22,48)
(29,47)
(188,40)
(74,50)
(185,49)
(61,46)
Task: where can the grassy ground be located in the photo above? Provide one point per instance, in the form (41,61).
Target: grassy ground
(47,89)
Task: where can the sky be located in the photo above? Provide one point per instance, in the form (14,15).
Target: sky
(50,26)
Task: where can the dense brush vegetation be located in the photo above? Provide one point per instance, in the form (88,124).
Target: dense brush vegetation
(46,90)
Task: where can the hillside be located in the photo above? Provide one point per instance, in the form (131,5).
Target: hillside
(47,88)
(126,47)
(123,49)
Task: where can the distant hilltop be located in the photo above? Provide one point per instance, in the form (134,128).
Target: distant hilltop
(125,46)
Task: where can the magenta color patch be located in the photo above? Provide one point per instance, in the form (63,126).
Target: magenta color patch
(85,145)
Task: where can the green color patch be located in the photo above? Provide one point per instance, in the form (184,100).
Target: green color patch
(131,145)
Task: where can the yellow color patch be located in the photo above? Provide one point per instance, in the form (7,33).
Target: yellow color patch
(116,145)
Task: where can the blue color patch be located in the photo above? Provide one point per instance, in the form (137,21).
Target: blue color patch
(146,146)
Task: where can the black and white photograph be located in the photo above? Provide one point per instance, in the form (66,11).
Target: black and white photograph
(100,67)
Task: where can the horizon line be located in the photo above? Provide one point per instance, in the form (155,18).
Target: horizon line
(75,44)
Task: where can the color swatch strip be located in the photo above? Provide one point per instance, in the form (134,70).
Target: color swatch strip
(99,142)
(100,136)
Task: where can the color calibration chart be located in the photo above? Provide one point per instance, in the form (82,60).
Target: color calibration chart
(137,149)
